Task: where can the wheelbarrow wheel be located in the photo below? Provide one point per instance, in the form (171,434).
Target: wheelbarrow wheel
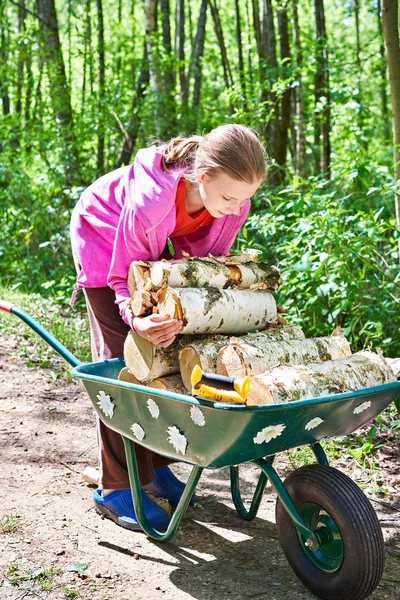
(349,562)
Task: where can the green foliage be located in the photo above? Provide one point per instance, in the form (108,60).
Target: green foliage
(336,246)
(70,327)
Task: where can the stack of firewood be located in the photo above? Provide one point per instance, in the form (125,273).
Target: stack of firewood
(221,297)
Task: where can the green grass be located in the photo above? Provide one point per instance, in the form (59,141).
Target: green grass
(43,576)
(9,523)
(69,326)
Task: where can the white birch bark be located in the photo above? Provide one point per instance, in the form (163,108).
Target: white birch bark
(286,383)
(200,272)
(204,352)
(240,358)
(212,310)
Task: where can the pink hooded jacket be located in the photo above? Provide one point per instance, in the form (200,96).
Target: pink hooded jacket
(128,215)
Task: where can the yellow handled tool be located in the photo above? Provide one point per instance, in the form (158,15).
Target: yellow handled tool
(218,387)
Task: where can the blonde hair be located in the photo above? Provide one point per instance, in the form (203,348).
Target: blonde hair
(231,149)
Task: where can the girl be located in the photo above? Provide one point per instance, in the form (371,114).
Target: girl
(193,191)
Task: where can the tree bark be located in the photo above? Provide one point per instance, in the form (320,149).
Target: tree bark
(286,383)
(322,94)
(4,44)
(300,154)
(243,357)
(204,353)
(211,310)
(101,97)
(390,11)
(206,273)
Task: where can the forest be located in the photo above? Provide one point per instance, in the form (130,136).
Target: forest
(84,85)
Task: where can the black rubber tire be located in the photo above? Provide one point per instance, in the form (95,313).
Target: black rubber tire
(363,547)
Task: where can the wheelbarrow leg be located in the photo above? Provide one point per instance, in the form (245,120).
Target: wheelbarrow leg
(180,510)
(290,507)
(319,454)
(249,514)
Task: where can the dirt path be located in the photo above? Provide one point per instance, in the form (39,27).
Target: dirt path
(47,438)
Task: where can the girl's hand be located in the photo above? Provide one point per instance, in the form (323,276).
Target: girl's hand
(160,330)
(279,321)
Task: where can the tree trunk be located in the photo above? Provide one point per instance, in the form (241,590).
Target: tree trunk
(268,76)
(257,25)
(150,9)
(242,75)
(249,50)
(383,78)
(360,114)
(220,37)
(168,70)
(59,90)
(134,122)
(4,50)
(286,383)
(254,357)
(21,57)
(101,97)
(300,154)
(180,50)
(197,62)
(390,11)
(322,94)
(211,310)
(281,151)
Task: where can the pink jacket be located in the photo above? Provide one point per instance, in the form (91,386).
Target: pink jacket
(128,215)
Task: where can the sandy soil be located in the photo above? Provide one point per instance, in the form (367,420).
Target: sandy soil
(48,437)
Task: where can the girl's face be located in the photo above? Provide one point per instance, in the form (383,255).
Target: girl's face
(221,195)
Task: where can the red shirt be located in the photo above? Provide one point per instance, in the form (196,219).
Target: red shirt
(187,223)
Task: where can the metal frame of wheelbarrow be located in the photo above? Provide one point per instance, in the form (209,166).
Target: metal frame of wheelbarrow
(265,464)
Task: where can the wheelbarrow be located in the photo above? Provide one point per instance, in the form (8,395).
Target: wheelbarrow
(326,526)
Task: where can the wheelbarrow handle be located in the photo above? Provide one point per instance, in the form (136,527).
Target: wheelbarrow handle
(5,306)
(37,328)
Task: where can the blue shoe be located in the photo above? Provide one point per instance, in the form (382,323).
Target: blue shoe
(166,485)
(118,506)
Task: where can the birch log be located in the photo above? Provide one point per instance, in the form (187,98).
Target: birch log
(142,303)
(138,276)
(204,272)
(200,352)
(244,356)
(286,383)
(148,362)
(204,352)
(172,383)
(212,310)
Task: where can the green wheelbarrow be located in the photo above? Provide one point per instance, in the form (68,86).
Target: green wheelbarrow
(326,526)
